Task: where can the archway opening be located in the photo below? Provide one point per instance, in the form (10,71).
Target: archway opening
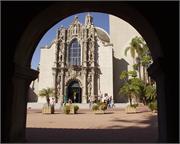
(74,92)
(26,48)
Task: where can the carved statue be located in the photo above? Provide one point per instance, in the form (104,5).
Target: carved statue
(75,29)
(59,79)
(58,89)
(89,79)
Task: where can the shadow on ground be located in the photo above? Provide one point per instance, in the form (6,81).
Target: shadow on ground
(113,134)
(133,134)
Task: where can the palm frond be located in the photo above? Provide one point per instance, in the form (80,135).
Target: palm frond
(46,92)
(126,50)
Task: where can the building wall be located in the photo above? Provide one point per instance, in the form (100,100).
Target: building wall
(47,58)
(106,68)
(121,33)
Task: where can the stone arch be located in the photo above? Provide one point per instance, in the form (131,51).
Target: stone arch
(41,23)
(73,79)
(69,90)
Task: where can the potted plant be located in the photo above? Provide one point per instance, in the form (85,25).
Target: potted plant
(131,108)
(47,108)
(76,108)
(66,109)
(153,106)
(70,108)
(95,107)
(99,107)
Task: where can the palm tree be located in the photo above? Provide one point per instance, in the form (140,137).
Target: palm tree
(132,88)
(150,93)
(136,47)
(146,60)
(46,93)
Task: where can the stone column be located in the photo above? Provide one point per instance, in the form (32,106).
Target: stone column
(65,94)
(93,80)
(84,91)
(85,53)
(63,54)
(56,68)
(93,48)
(85,47)
(67,53)
(62,85)
(21,81)
(156,72)
(99,88)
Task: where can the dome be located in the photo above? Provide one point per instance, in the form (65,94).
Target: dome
(102,34)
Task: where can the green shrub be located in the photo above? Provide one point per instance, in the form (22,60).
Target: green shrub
(95,107)
(103,106)
(99,106)
(134,105)
(100,103)
(153,105)
(76,108)
(66,109)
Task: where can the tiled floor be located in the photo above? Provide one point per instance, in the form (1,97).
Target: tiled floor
(114,126)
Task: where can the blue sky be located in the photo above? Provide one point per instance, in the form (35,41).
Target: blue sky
(99,19)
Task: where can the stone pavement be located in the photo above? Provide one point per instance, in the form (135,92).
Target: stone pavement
(86,127)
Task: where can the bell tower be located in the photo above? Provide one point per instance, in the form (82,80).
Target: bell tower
(88,20)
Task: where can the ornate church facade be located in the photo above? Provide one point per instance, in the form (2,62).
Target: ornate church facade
(84,60)
(78,63)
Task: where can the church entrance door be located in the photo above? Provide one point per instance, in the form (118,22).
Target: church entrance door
(74,92)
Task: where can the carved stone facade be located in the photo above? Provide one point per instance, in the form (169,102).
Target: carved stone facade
(87,72)
(96,69)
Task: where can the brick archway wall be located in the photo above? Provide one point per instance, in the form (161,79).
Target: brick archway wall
(45,20)
(58,12)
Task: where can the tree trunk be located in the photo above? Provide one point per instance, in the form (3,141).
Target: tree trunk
(139,69)
(144,74)
(48,100)
(149,78)
(130,100)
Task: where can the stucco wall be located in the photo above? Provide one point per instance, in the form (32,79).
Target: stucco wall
(106,68)
(47,59)
(121,34)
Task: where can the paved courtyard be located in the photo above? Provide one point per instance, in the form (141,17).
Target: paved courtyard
(113,126)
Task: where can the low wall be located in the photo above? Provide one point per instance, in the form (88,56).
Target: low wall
(81,106)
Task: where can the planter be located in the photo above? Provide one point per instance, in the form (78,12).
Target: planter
(66,109)
(130,110)
(99,112)
(72,111)
(70,108)
(99,108)
(48,109)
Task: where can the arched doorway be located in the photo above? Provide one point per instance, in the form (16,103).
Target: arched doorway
(74,91)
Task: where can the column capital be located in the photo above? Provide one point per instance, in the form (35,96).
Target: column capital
(25,72)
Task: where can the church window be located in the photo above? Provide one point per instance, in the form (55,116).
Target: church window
(74,53)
